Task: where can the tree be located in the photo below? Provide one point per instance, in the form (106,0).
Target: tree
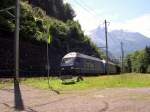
(147,58)
(148,69)
(139,61)
(6,4)
(55,8)
(129,65)
(69,13)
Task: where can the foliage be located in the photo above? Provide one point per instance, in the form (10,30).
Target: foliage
(6,4)
(148,69)
(6,20)
(37,25)
(1,85)
(69,13)
(5,83)
(6,24)
(132,80)
(55,8)
(139,61)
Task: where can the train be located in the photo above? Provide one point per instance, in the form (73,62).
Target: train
(75,63)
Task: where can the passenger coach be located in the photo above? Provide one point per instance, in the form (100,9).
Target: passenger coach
(77,63)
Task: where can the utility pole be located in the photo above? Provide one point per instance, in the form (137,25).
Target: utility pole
(107,67)
(122,57)
(48,64)
(16,42)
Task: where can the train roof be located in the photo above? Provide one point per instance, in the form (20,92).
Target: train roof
(104,61)
(76,54)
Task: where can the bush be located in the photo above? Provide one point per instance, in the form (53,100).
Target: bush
(148,69)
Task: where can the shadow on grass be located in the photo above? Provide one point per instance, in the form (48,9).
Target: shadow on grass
(52,89)
(19,106)
(69,83)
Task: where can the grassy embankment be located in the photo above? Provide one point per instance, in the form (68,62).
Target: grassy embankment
(6,83)
(0,85)
(112,81)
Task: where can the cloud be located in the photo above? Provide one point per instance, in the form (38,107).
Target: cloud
(88,19)
(91,19)
(140,24)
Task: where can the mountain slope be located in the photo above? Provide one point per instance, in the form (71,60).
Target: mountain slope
(36,29)
(132,40)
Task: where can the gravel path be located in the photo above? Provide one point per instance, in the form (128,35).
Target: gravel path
(105,100)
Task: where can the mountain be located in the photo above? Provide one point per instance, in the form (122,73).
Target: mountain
(132,41)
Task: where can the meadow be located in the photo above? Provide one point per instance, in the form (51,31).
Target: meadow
(132,80)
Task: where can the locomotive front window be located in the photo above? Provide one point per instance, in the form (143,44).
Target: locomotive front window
(78,60)
(67,60)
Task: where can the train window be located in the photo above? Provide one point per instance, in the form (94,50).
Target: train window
(67,60)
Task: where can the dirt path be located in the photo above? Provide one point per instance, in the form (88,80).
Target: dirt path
(106,100)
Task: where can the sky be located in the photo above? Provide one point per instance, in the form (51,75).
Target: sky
(130,15)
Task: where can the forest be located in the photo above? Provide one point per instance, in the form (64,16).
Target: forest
(40,18)
(138,61)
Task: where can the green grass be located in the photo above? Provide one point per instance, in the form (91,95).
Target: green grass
(6,83)
(112,81)
(1,85)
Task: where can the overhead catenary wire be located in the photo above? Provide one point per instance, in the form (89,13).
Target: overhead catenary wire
(83,7)
(86,8)
(92,11)
(109,37)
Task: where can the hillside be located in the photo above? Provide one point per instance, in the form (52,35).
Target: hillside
(35,28)
(55,8)
(132,40)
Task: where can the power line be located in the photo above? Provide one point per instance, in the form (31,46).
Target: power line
(113,40)
(85,8)
(90,11)
(89,8)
